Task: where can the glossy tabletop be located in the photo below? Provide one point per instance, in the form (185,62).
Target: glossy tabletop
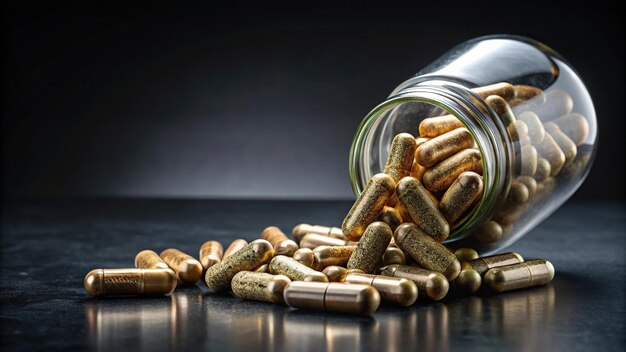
(48,247)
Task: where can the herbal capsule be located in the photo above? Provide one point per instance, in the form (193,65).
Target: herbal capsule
(304,256)
(528,160)
(263,269)
(324,256)
(210,254)
(489,232)
(132,282)
(418,203)
(518,193)
(301,230)
(469,280)
(313,241)
(426,251)
(503,90)
(250,257)
(400,157)
(575,126)
(465,254)
(148,259)
(536,132)
(393,255)
(529,182)
(552,153)
(430,284)
(557,103)
(332,297)
(543,170)
(186,267)
(483,264)
(443,146)
(368,254)
(336,273)
(522,275)
(568,147)
(500,106)
(435,126)
(234,247)
(391,217)
(465,190)
(525,92)
(439,177)
(259,286)
(406,217)
(369,204)
(283,265)
(282,245)
(394,290)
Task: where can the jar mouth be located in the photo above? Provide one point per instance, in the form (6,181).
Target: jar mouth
(479,119)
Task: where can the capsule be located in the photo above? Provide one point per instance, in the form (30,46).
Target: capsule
(260,286)
(522,275)
(324,256)
(336,273)
(439,177)
(483,264)
(369,204)
(301,230)
(426,251)
(543,170)
(465,254)
(399,291)
(536,132)
(557,103)
(435,126)
(489,232)
(502,108)
(283,265)
(529,182)
(465,190)
(552,153)
(391,217)
(443,146)
(148,259)
(469,280)
(210,254)
(568,147)
(368,254)
(313,241)
(393,255)
(575,126)
(282,245)
(430,284)
(400,157)
(332,297)
(502,89)
(518,193)
(304,256)
(525,92)
(186,267)
(234,247)
(129,282)
(424,212)
(250,257)
(263,269)
(528,160)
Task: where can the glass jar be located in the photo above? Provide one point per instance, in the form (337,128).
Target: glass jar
(490,84)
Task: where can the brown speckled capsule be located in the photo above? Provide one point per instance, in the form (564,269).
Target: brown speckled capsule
(575,126)
(324,256)
(426,251)
(368,206)
(394,290)
(283,265)
(129,282)
(465,190)
(469,280)
(336,273)
(368,255)
(523,275)
(536,131)
(443,147)
(549,150)
(148,259)
(304,256)
(465,254)
(301,230)
(332,297)
(502,89)
(439,177)
(489,232)
(529,182)
(528,160)
(483,264)
(424,212)
(430,284)
(210,254)
(234,247)
(435,126)
(282,245)
(502,108)
(186,267)
(568,147)
(391,217)
(518,193)
(313,241)
(250,257)
(393,255)
(525,92)
(400,157)
(259,286)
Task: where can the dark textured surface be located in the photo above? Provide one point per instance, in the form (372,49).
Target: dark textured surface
(48,247)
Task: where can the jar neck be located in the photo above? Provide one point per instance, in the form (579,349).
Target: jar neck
(481,121)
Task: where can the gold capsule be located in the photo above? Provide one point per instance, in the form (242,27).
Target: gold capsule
(234,247)
(529,182)
(469,280)
(313,241)
(430,284)
(129,282)
(393,255)
(522,275)
(391,217)
(502,108)
(301,230)
(528,160)
(336,273)
(443,147)
(463,192)
(549,150)
(426,251)
(420,206)
(465,254)
(186,267)
(575,126)
(518,193)
(394,290)
(483,264)
(568,147)
(503,90)
(250,257)
(439,177)
(536,132)
(324,256)
(368,254)
(332,297)
(369,204)
(400,157)
(525,92)
(283,265)
(281,243)
(304,256)
(543,170)
(489,232)
(148,259)
(259,286)
(435,126)
(210,254)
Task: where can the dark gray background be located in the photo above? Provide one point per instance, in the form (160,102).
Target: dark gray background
(248,101)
